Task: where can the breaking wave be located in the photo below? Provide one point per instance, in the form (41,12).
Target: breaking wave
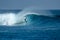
(28,16)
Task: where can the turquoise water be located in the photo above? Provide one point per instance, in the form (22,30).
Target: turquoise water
(38,27)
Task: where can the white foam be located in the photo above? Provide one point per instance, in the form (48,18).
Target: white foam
(7,19)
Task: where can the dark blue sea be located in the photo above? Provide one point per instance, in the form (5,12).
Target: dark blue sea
(40,27)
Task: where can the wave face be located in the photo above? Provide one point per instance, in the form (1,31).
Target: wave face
(42,20)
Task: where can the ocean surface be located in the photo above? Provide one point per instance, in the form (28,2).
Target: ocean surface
(37,27)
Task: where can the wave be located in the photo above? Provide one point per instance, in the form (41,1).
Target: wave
(29,16)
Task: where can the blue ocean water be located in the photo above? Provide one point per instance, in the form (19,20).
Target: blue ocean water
(38,27)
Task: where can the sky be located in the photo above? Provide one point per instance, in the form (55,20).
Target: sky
(21,4)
